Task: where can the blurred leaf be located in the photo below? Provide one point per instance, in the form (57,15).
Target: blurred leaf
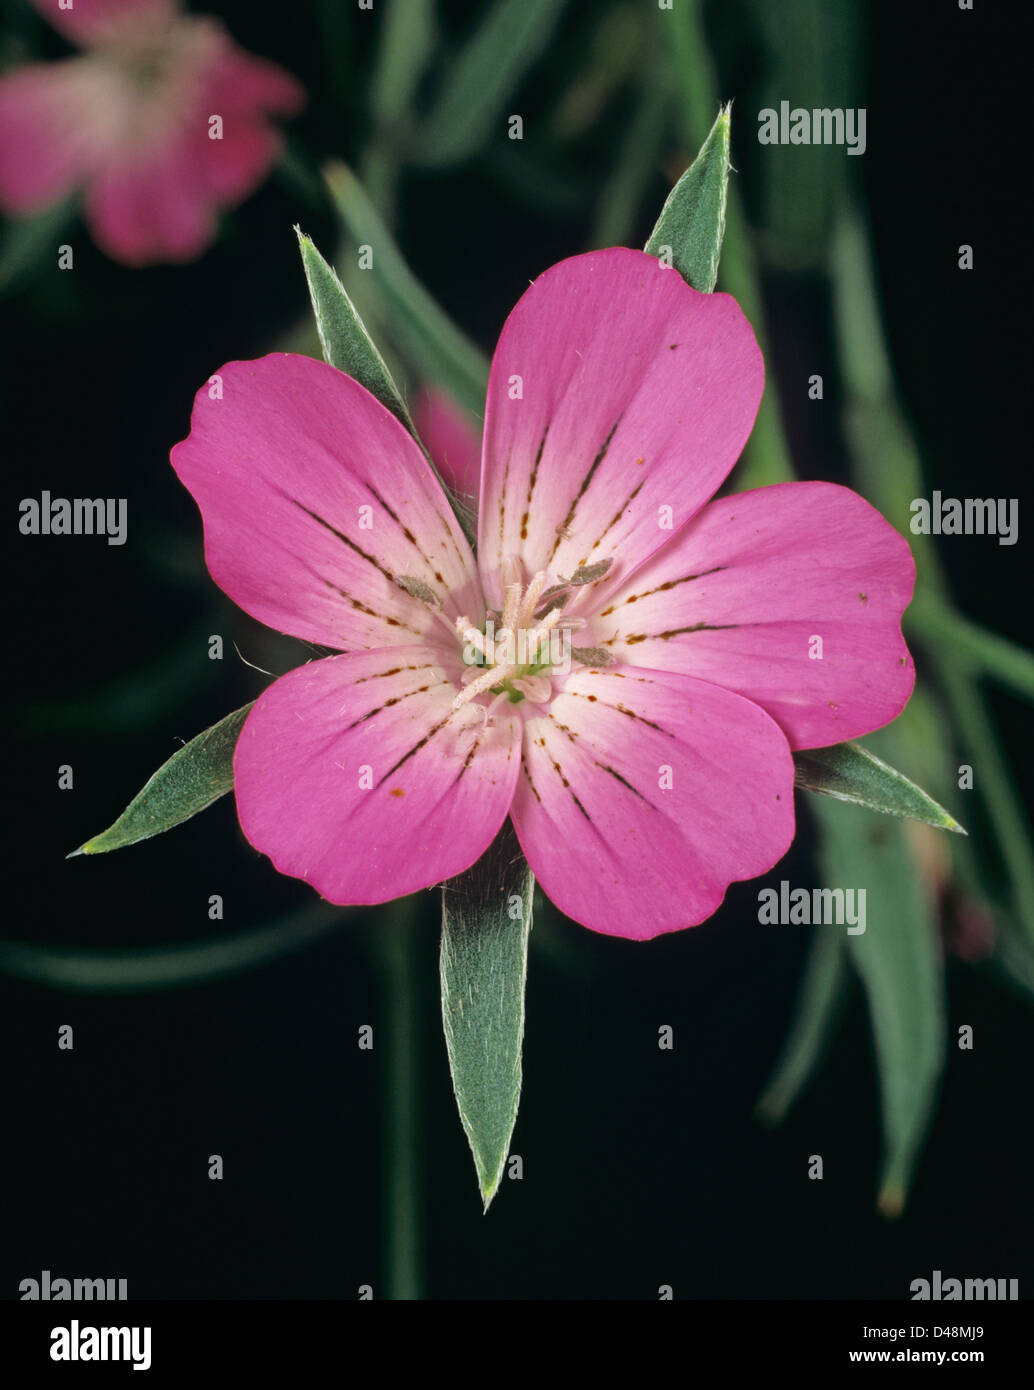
(483,76)
(974,646)
(691,226)
(886,468)
(850,772)
(636,164)
(810,51)
(438,351)
(766,458)
(98,971)
(31,242)
(484,965)
(898,961)
(345,341)
(823,987)
(196,775)
(404,47)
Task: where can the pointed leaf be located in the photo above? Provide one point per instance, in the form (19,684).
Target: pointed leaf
(691,226)
(486,920)
(821,993)
(897,958)
(196,775)
(343,336)
(850,772)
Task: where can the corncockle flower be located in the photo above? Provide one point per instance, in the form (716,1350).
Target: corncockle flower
(703,640)
(163,121)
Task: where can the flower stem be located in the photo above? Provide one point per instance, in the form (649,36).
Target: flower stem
(766,458)
(400,1029)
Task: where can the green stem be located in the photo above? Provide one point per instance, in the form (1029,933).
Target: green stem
(766,459)
(400,1029)
(1012,666)
(886,463)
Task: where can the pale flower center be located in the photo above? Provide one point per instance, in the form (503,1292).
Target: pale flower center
(518,651)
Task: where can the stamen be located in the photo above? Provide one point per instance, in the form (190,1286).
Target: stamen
(531,599)
(484,681)
(511,606)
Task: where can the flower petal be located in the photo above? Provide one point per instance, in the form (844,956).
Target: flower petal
(741,595)
(616,391)
(55,124)
(351,773)
(316,501)
(239,82)
(644,794)
(88,22)
(152,205)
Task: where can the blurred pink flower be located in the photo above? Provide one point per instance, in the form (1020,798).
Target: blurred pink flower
(162,120)
(452,442)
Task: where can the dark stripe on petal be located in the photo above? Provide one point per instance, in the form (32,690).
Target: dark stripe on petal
(416,748)
(469,758)
(661,589)
(408,535)
(396,700)
(527,773)
(625,783)
(616,518)
(584,488)
(531,485)
(671,632)
(372,612)
(395,671)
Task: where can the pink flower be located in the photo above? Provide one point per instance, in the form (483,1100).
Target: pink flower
(657,769)
(132,121)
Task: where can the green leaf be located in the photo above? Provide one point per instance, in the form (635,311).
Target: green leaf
(94,970)
(343,336)
(898,960)
(196,775)
(486,921)
(691,226)
(821,994)
(30,243)
(850,772)
(482,77)
(437,350)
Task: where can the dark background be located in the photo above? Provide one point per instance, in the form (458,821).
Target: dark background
(641,1167)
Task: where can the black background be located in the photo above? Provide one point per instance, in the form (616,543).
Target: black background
(641,1167)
